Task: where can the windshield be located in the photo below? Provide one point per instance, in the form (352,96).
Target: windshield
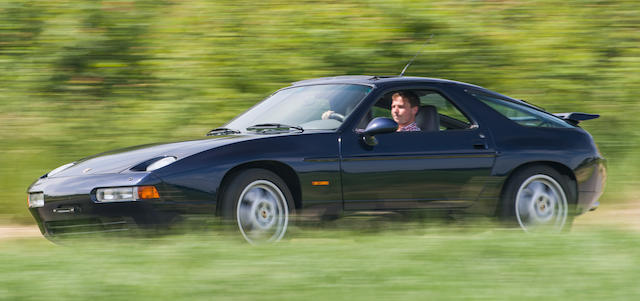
(317,107)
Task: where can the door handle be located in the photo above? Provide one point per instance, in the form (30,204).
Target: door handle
(481,143)
(480,146)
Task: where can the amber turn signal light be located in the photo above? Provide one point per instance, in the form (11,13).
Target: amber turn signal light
(148,192)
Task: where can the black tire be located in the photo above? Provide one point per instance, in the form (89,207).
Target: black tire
(538,198)
(259,203)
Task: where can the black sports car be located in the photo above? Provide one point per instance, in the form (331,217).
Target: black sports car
(327,146)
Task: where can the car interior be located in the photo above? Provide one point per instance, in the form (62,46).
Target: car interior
(436,113)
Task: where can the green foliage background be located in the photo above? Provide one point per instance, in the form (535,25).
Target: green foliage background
(81,77)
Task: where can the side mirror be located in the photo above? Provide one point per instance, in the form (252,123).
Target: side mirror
(379,125)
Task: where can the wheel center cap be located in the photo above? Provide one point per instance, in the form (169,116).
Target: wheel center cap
(542,204)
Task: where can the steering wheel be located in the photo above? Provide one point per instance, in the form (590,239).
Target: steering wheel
(336,116)
(332,115)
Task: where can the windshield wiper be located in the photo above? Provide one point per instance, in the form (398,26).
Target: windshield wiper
(267,127)
(222,131)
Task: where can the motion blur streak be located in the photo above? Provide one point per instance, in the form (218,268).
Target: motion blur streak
(81,77)
(412,262)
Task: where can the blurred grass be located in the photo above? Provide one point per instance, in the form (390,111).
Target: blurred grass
(432,263)
(82,77)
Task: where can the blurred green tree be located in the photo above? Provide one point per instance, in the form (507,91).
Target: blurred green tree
(81,77)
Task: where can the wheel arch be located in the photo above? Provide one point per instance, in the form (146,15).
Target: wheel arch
(284,171)
(559,167)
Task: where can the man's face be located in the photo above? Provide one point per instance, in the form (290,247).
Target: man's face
(402,111)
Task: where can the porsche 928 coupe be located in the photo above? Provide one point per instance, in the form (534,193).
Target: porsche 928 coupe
(476,151)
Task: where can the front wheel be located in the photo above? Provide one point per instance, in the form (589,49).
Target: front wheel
(539,198)
(260,203)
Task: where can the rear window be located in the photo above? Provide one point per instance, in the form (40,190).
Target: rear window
(520,114)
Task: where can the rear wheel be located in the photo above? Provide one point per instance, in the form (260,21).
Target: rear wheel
(539,198)
(259,203)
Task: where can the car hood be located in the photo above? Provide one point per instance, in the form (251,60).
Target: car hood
(122,160)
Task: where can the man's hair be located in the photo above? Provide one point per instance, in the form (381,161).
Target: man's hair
(413,99)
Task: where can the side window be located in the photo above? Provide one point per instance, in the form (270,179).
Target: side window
(450,117)
(378,110)
(446,113)
(381,112)
(520,114)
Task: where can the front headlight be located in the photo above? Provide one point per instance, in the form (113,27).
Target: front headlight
(36,200)
(60,169)
(126,194)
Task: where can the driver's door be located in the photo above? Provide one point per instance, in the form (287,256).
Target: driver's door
(447,167)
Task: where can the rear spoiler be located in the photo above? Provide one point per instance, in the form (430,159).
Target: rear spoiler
(575,117)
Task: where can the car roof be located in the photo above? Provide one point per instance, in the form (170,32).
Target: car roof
(390,80)
(375,79)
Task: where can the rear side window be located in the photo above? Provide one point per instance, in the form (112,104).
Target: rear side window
(520,114)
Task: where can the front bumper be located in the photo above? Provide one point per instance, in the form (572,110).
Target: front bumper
(70,208)
(80,215)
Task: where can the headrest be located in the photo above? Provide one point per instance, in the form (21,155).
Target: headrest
(428,119)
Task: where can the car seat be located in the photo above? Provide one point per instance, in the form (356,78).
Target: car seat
(428,119)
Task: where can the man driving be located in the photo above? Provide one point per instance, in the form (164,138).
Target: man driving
(404,107)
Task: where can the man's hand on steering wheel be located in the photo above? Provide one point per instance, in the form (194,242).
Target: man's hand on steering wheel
(332,115)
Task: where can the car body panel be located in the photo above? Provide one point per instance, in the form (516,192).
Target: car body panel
(408,168)
(121,160)
(333,171)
